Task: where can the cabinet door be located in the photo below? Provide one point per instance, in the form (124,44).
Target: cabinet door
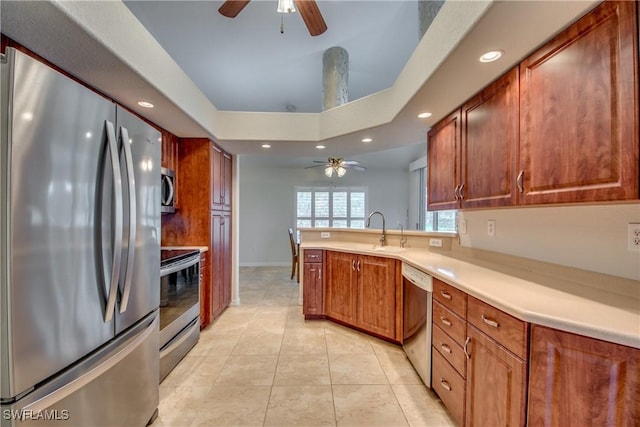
(495,384)
(225,231)
(217,263)
(340,287)
(580,381)
(226,181)
(377,295)
(488,145)
(205,292)
(579,123)
(312,290)
(216,166)
(443,145)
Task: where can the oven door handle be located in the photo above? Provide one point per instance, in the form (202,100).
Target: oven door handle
(180,266)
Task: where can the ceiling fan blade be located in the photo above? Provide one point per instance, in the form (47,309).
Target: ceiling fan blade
(351,162)
(317,166)
(358,168)
(312,17)
(231,8)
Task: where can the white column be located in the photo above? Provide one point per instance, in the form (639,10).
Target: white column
(335,77)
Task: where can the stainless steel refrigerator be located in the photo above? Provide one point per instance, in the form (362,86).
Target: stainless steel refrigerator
(79,254)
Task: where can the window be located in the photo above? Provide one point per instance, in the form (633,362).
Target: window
(331,207)
(435,220)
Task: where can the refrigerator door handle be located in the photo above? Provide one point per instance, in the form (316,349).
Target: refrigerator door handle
(60,393)
(117,253)
(131,247)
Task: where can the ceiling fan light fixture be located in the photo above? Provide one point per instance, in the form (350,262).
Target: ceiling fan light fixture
(341,171)
(328,171)
(286,6)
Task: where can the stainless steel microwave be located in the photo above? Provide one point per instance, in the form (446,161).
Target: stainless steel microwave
(168,190)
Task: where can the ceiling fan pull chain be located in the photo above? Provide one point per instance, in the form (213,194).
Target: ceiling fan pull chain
(282,23)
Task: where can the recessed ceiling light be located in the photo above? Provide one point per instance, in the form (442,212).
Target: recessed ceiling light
(491,56)
(321,147)
(424,115)
(145,104)
(367,140)
(266,146)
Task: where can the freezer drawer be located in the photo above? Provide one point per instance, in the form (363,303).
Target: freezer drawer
(116,386)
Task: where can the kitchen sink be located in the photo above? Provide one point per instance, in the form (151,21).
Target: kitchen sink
(389,249)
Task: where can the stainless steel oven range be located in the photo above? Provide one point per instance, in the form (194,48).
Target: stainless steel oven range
(179,305)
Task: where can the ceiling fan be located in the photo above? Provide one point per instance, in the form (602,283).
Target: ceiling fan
(337,165)
(308,10)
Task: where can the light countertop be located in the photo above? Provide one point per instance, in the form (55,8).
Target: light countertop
(532,296)
(195,248)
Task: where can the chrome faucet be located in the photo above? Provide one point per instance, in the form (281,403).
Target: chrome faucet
(402,239)
(384,229)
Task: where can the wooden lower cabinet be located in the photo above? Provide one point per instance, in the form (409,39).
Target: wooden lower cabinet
(450,387)
(312,282)
(580,381)
(340,288)
(496,384)
(481,381)
(376,308)
(221,262)
(361,291)
(205,293)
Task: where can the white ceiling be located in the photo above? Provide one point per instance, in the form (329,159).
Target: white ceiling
(246,64)
(130,64)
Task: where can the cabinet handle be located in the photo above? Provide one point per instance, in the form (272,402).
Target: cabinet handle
(445,384)
(461,192)
(353,264)
(358,265)
(445,321)
(519,181)
(466,350)
(455,192)
(445,294)
(490,322)
(445,348)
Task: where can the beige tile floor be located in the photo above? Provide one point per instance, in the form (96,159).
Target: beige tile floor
(261,364)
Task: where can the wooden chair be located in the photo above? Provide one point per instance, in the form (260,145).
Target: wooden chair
(294,256)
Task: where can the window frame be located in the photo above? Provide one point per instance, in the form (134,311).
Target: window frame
(330,190)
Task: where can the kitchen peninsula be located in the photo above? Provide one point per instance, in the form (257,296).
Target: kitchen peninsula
(572,322)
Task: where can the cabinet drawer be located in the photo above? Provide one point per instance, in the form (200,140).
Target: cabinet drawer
(449,386)
(508,331)
(450,350)
(452,298)
(449,322)
(313,255)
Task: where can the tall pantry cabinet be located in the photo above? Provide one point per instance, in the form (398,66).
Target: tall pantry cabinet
(204,218)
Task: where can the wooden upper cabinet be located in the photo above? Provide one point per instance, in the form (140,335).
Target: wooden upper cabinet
(579,117)
(221,179)
(169,151)
(489,145)
(443,144)
(226,181)
(581,381)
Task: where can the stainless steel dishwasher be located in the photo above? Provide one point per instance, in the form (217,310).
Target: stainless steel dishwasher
(417,297)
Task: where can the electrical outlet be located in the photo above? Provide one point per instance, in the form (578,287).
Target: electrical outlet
(633,237)
(325,234)
(491,227)
(435,242)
